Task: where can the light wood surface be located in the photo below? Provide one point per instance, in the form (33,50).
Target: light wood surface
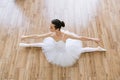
(24,17)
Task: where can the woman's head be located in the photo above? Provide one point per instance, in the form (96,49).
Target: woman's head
(56,24)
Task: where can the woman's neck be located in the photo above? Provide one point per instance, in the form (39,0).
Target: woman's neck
(58,33)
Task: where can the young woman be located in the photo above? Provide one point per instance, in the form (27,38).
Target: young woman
(61,47)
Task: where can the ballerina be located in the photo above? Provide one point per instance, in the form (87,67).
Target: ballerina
(61,47)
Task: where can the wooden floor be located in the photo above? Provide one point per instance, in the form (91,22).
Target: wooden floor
(24,17)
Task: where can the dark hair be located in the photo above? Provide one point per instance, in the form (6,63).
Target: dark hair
(58,24)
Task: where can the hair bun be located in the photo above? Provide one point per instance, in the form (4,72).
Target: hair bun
(62,24)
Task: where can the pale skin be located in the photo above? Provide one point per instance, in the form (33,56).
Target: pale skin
(57,35)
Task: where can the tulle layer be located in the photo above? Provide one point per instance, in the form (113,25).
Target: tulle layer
(62,53)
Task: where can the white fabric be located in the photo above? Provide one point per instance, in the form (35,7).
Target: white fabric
(62,53)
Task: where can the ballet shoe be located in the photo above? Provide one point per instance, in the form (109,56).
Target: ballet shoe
(101,49)
(23,45)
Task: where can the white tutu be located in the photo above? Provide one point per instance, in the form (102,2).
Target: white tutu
(62,53)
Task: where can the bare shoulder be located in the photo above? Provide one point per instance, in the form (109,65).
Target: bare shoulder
(71,35)
(67,35)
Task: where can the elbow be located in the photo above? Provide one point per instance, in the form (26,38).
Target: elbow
(82,38)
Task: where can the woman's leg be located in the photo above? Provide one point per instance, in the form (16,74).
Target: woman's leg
(31,45)
(89,49)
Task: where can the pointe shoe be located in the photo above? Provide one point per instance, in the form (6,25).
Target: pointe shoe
(101,49)
(23,45)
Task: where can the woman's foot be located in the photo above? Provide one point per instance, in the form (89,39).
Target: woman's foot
(101,49)
(24,45)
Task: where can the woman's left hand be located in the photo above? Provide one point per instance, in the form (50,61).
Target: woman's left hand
(96,40)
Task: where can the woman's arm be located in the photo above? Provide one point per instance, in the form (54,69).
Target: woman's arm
(37,36)
(83,38)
